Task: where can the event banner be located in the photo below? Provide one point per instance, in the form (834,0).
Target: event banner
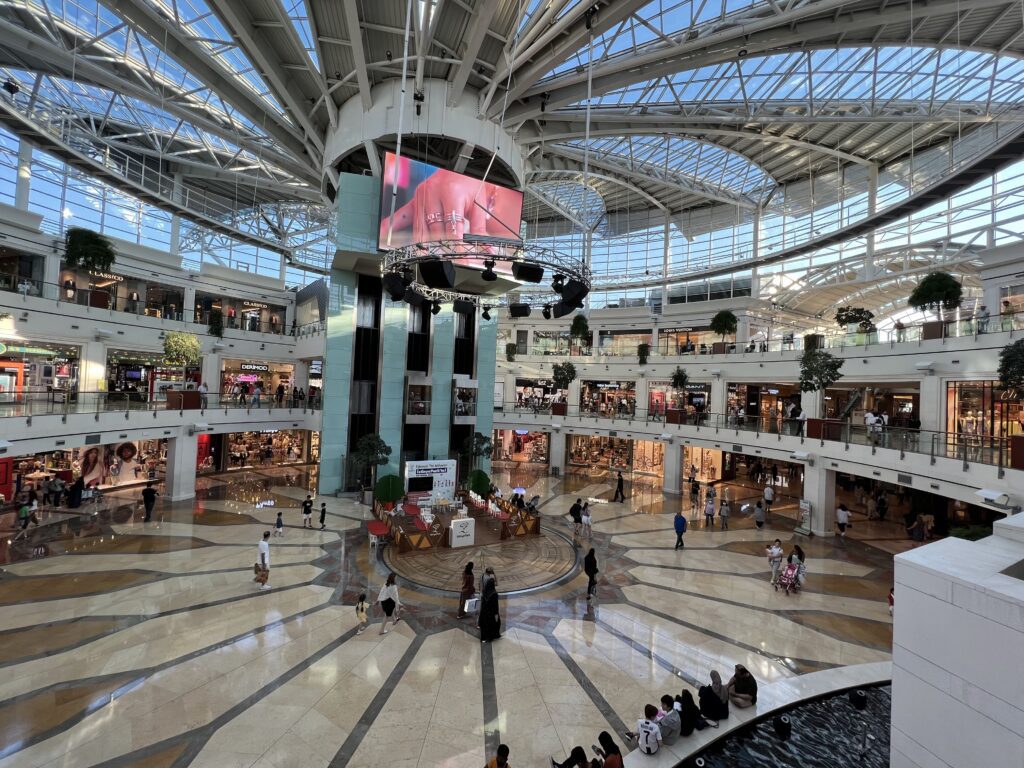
(423,478)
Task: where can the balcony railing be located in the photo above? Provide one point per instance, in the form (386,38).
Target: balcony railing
(65,402)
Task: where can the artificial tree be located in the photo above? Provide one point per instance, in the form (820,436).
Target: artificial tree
(643,351)
(562,374)
(724,323)
(678,381)
(371,452)
(510,351)
(216,323)
(580,329)
(388,490)
(1011,366)
(182,349)
(477,446)
(89,250)
(479,483)
(862,318)
(819,370)
(936,291)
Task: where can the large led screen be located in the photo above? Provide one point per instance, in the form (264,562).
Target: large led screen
(435,204)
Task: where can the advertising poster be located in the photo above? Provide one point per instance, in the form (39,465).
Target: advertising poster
(424,479)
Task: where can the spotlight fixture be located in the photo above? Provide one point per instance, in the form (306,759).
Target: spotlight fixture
(518,310)
(387,54)
(414,298)
(11,87)
(546,312)
(486,314)
(488,274)
(395,285)
(558,283)
(435,308)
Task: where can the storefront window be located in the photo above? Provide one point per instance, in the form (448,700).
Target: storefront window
(621,343)
(34,370)
(272,448)
(550,343)
(683,341)
(273,378)
(128,462)
(983,409)
(521,446)
(608,398)
(419,400)
(537,394)
(600,452)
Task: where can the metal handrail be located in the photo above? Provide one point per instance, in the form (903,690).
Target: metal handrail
(66,402)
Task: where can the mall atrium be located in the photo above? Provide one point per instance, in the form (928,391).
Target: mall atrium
(362,360)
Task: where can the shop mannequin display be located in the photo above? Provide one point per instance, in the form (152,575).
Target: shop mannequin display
(231,317)
(92,468)
(273,324)
(132,305)
(69,289)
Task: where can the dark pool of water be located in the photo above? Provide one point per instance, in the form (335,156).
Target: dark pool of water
(826,733)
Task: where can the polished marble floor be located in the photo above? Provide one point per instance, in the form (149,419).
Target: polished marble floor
(132,644)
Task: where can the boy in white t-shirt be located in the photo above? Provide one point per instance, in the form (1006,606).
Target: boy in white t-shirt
(648,733)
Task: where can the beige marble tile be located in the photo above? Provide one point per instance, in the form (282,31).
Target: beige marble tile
(734,562)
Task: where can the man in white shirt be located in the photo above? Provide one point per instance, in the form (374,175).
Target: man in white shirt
(842,520)
(769,498)
(648,734)
(204,400)
(263,561)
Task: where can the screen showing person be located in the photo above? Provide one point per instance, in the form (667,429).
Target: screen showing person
(433,204)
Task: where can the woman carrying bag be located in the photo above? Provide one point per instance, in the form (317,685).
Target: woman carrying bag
(389,603)
(467,594)
(490,618)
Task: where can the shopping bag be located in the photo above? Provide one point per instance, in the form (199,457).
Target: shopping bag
(472,605)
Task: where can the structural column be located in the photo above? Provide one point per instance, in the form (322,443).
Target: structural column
(820,491)
(181,468)
(393,349)
(442,369)
(673,464)
(932,410)
(719,395)
(92,368)
(556,451)
(23,185)
(486,370)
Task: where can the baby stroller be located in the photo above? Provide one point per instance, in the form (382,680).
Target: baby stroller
(532,505)
(789,578)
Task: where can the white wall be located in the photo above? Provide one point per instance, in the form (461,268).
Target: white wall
(958,681)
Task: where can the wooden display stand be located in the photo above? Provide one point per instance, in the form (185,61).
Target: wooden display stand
(720,348)
(183,400)
(825,429)
(559,409)
(675,416)
(1017,452)
(933,329)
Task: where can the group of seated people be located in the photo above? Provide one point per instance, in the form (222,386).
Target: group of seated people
(677,717)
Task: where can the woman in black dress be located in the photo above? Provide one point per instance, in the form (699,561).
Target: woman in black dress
(468,589)
(490,619)
(590,568)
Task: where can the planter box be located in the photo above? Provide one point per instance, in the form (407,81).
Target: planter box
(933,329)
(719,348)
(675,416)
(183,399)
(1016,460)
(559,409)
(814,341)
(99,299)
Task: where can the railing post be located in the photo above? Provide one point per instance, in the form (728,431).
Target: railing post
(934,436)
(1002,469)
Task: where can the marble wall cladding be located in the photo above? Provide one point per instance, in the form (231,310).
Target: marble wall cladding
(958,697)
(394,343)
(486,354)
(341,308)
(442,368)
(358,213)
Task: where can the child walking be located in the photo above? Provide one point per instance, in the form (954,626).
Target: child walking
(585,517)
(723,514)
(279,525)
(361,608)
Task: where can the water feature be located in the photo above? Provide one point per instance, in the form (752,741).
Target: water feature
(829,732)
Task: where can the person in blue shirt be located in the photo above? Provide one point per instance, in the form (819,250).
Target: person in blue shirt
(680,523)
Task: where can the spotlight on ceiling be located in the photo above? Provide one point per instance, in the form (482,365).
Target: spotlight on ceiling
(486,314)
(558,283)
(395,284)
(518,310)
(546,312)
(413,298)
(435,308)
(11,87)
(574,293)
(488,274)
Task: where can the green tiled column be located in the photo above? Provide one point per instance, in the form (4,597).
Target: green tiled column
(442,367)
(393,345)
(341,323)
(486,359)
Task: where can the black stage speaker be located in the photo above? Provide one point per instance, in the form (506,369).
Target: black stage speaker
(518,310)
(395,285)
(561,309)
(574,293)
(414,298)
(437,274)
(463,307)
(528,273)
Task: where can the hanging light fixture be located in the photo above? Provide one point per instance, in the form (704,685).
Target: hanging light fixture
(488,274)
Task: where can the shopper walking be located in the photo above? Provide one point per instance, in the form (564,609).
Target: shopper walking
(390,603)
(585,521)
(694,496)
(619,495)
(149,495)
(842,521)
(490,615)
(723,515)
(204,396)
(709,513)
(280,395)
(774,554)
(590,568)
(323,515)
(759,515)
(769,498)
(468,589)
(307,512)
(263,562)
(680,526)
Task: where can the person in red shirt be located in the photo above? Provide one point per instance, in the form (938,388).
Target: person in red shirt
(500,760)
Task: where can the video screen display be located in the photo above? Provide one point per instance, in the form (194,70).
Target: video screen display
(435,204)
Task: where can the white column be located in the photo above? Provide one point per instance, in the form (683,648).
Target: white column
(642,387)
(92,368)
(742,330)
(181,467)
(719,396)
(869,243)
(556,452)
(23,185)
(810,403)
(301,375)
(51,277)
(189,310)
(573,398)
(932,412)
(672,483)
(820,491)
(211,375)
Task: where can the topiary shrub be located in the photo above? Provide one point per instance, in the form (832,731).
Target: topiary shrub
(216,323)
(936,290)
(182,349)
(88,249)
(479,483)
(510,351)
(389,489)
(724,323)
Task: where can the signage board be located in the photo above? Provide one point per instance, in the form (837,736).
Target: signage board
(441,473)
(463,532)
(255,367)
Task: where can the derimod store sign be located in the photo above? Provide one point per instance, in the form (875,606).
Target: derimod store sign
(423,478)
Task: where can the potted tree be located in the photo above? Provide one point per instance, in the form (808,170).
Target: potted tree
(182,350)
(562,374)
(858,321)
(479,483)
(643,351)
(1011,376)
(818,371)
(93,252)
(579,331)
(371,452)
(510,351)
(476,447)
(724,324)
(937,291)
(674,415)
(388,490)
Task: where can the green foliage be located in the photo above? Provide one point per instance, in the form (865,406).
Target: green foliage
(563,374)
(679,378)
(88,249)
(580,328)
(724,323)
(819,370)
(182,349)
(1011,365)
(477,446)
(938,289)
(643,351)
(847,316)
(479,483)
(389,489)
(510,351)
(216,323)
(371,451)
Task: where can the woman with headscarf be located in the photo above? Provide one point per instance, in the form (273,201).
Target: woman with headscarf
(714,699)
(590,568)
(468,590)
(490,619)
(742,688)
(689,713)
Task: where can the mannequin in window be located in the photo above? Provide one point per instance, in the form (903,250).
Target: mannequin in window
(231,317)
(133,302)
(69,289)
(273,324)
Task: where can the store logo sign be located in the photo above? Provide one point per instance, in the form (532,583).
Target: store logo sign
(107,276)
(255,304)
(255,367)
